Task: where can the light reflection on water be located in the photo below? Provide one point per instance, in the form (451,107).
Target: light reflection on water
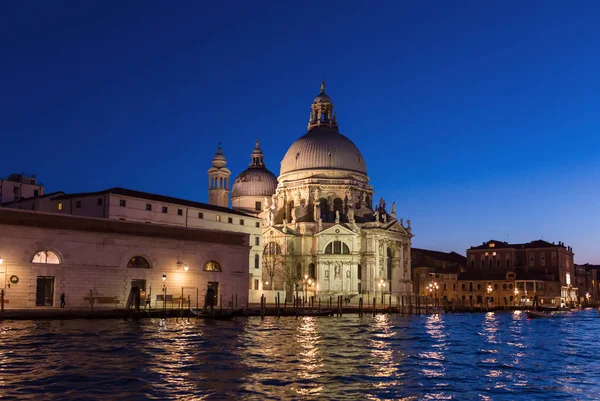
(493,356)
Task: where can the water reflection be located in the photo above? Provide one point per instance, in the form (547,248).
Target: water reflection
(493,356)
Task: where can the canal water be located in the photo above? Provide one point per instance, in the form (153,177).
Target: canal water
(493,356)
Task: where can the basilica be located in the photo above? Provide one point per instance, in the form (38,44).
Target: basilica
(322,232)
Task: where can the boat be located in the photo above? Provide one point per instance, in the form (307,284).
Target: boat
(535,314)
(214,314)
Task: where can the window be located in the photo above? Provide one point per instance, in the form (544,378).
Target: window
(498,263)
(165,209)
(496,287)
(478,287)
(256,261)
(241,222)
(257,206)
(568,279)
(99,202)
(59,206)
(444,286)
(148,206)
(492,245)
(493,253)
(337,248)
(218,218)
(510,286)
(454,286)
(212,266)
(272,248)
(257,224)
(36,192)
(230,220)
(543,261)
(472,264)
(200,215)
(257,241)
(507,262)
(138,262)
(46,257)
(482,263)
(256,284)
(312,271)
(122,203)
(464,287)
(78,204)
(17,192)
(359,275)
(504,286)
(179,212)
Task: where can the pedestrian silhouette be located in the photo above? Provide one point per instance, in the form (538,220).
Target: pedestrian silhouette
(62,300)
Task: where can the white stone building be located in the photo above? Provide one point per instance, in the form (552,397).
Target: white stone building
(19,186)
(95,262)
(321,233)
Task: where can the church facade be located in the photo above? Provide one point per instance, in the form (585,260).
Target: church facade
(322,233)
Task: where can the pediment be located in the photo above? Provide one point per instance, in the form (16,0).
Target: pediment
(337,229)
(397,227)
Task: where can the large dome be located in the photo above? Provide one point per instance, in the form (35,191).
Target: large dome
(254,182)
(323,147)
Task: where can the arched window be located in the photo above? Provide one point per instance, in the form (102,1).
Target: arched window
(212,266)
(256,261)
(338,205)
(311,271)
(478,287)
(504,286)
(47,257)
(323,206)
(470,287)
(337,248)
(272,248)
(464,287)
(138,262)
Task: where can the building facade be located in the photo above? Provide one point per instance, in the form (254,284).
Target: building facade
(19,186)
(95,262)
(321,233)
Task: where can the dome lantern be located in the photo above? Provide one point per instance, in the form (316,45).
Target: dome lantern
(322,111)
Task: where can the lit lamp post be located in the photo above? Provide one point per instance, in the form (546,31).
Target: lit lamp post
(164,288)
(381,286)
(433,287)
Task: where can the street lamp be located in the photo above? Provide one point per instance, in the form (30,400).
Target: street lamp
(381,286)
(433,287)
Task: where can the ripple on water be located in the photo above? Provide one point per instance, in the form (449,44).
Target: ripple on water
(498,356)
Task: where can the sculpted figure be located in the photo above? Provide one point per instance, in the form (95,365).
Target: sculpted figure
(350,213)
(348,274)
(337,216)
(394,209)
(327,274)
(337,271)
(316,211)
(376,215)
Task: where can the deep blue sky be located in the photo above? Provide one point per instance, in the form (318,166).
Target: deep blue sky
(479,118)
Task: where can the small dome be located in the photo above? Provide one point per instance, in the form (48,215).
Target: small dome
(323,148)
(219,159)
(322,98)
(254,181)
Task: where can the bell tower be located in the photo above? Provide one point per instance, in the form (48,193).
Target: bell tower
(321,114)
(218,180)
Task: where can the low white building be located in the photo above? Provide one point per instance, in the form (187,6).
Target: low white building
(95,261)
(136,206)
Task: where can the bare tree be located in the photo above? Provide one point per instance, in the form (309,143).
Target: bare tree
(291,269)
(273,260)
